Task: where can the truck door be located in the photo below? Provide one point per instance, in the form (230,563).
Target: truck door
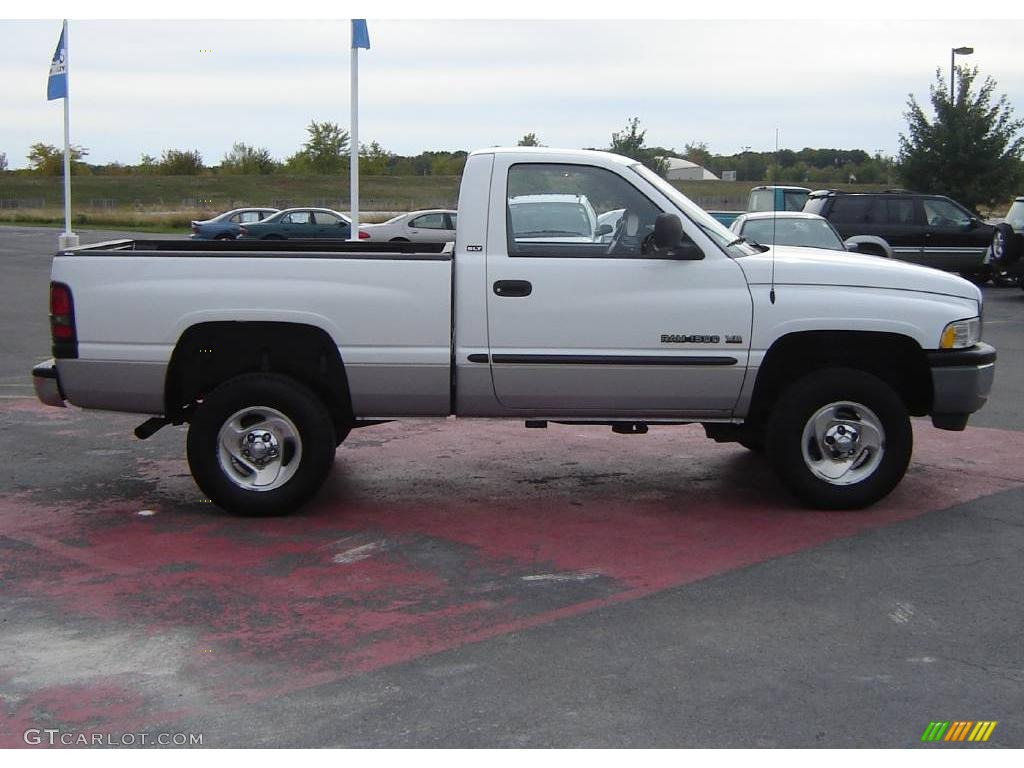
(581,326)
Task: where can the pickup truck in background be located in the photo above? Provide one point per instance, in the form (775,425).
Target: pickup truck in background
(272,352)
(767,199)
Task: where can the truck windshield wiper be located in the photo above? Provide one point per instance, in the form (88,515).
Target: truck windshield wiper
(752,243)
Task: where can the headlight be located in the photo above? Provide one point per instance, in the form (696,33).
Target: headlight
(961,334)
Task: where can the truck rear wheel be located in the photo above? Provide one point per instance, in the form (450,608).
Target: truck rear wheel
(261,444)
(840,438)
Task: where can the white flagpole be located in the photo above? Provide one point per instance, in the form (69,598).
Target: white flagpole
(354,148)
(67,136)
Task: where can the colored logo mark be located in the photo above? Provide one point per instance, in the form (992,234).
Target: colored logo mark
(959,730)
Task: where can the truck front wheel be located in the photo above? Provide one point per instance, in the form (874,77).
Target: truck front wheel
(260,444)
(840,438)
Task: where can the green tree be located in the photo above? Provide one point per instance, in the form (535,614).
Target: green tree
(530,140)
(243,159)
(697,152)
(631,143)
(970,149)
(3,161)
(47,160)
(324,150)
(177,162)
(374,160)
(147,164)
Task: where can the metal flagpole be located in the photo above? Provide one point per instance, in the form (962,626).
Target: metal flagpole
(69,240)
(354,148)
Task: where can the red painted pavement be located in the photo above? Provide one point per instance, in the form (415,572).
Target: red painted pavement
(428,536)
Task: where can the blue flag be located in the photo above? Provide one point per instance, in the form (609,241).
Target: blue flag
(360,34)
(57,85)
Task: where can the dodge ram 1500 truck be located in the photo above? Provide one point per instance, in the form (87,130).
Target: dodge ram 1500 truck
(273,352)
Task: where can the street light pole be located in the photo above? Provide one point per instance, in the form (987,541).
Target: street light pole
(961,51)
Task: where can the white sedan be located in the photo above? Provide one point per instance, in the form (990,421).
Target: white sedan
(797,228)
(434,226)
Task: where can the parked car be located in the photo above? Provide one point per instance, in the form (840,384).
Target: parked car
(773,198)
(806,230)
(551,216)
(433,226)
(522,322)
(226,226)
(313,223)
(1008,237)
(925,229)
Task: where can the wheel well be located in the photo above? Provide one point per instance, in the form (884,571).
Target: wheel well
(211,353)
(871,248)
(896,359)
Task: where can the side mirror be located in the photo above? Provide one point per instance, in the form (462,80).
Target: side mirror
(973,222)
(852,247)
(668,230)
(604,229)
(668,238)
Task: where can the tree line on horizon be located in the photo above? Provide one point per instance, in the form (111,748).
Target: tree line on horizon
(970,149)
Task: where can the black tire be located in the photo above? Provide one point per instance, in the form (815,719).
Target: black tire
(753,441)
(399,240)
(875,403)
(305,436)
(1005,244)
(224,237)
(272,237)
(978,278)
(1003,279)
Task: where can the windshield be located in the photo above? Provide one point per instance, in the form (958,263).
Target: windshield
(809,233)
(567,219)
(722,237)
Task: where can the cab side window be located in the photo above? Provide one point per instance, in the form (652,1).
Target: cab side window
(851,209)
(575,211)
(324,218)
(898,211)
(428,221)
(942,213)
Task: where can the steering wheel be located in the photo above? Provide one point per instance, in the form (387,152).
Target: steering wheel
(626,239)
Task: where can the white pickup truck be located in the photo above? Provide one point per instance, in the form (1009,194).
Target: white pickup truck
(273,352)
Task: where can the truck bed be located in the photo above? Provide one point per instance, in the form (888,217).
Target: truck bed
(386,306)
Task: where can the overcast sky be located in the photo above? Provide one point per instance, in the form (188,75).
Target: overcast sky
(145,86)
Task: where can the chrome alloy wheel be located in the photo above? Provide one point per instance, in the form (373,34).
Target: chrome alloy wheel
(843,443)
(259,448)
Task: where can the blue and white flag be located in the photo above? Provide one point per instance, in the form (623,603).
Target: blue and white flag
(57,85)
(360,34)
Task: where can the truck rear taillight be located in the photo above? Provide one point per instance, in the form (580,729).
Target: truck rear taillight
(62,321)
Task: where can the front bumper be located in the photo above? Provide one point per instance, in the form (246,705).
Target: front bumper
(961,381)
(47,384)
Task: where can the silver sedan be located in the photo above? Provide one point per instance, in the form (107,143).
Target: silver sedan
(433,226)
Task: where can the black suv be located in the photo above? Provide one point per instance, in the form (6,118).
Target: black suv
(925,229)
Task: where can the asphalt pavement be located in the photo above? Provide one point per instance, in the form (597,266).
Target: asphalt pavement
(473,583)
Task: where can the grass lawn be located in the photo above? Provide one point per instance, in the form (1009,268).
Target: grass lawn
(169,203)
